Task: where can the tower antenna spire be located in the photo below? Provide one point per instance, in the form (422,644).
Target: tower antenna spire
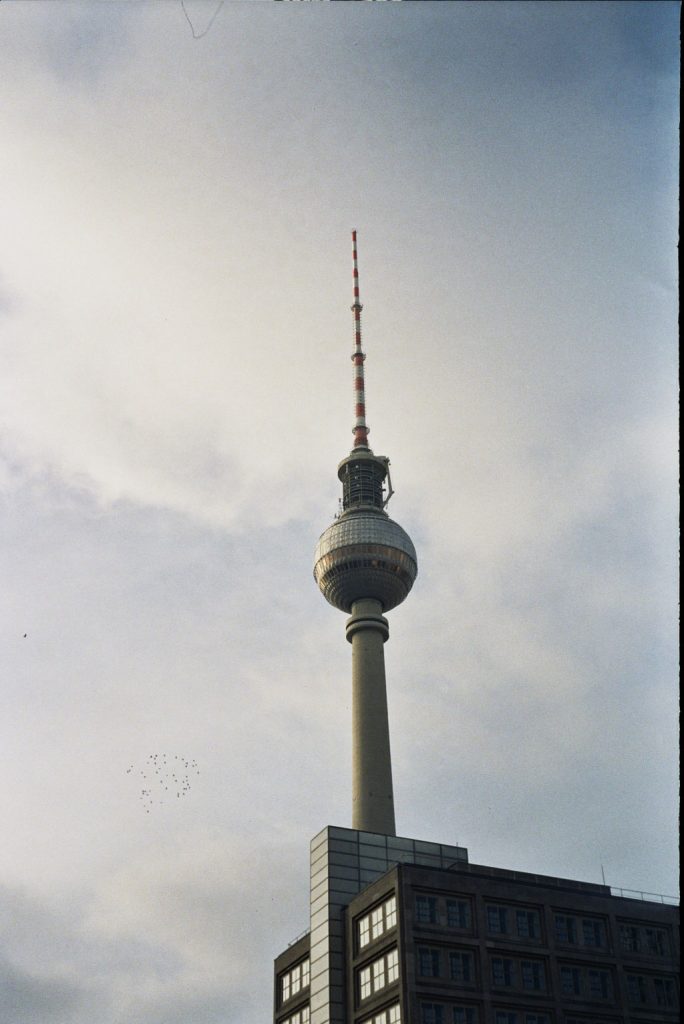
(360,430)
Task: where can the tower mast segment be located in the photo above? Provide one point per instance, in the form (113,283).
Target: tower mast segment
(366,564)
(358,358)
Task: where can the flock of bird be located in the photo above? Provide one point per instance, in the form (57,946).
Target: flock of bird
(165,776)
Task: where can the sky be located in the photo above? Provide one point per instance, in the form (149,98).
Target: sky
(175,281)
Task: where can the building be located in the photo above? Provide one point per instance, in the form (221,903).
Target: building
(409,932)
(404,931)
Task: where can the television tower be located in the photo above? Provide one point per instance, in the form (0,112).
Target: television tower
(365,564)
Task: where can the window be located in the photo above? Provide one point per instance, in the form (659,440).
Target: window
(645,940)
(527,924)
(428,962)
(600,986)
(637,989)
(432,1013)
(502,971)
(533,976)
(379,921)
(536,1018)
(566,931)
(392,1015)
(629,938)
(656,941)
(294,980)
(593,932)
(426,910)
(301,1017)
(571,981)
(461,967)
(458,913)
(379,974)
(497,920)
(465,1015)
(665,992)
(506,1017)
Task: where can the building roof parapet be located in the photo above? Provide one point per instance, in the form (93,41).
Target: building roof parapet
(646,897)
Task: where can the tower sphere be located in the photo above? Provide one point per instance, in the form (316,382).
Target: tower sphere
(365,554)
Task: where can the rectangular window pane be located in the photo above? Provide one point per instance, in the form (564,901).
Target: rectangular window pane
(664,991)
(392,966)
(565,929)
(391,913)
(570,981)
(364,931)
(365,982)
(629,938)
(465,1015)
(426,909)
(599,984)
(460,967)
(432,1013)
(527,924)
(506,1017)
(497,920)
(656,941)
(502,971)
(592,933)
(532,975)
(458,914)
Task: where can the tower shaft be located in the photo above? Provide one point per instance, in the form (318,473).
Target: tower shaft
(372,793)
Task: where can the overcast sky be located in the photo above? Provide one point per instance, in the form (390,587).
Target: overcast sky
(175,283)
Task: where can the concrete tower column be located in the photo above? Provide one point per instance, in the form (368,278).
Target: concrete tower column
(372,795)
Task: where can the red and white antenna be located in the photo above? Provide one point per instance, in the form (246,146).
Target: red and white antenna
(360,430)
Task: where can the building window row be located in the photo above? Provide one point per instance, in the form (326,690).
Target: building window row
(392,1015)
(441,1013)
(379,974)
(377,922)
(529,975)
(300,1017)
(456,964)
(454,913)
(586,983)
(648,990)
(643,939)
(572,930)
(294,980)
